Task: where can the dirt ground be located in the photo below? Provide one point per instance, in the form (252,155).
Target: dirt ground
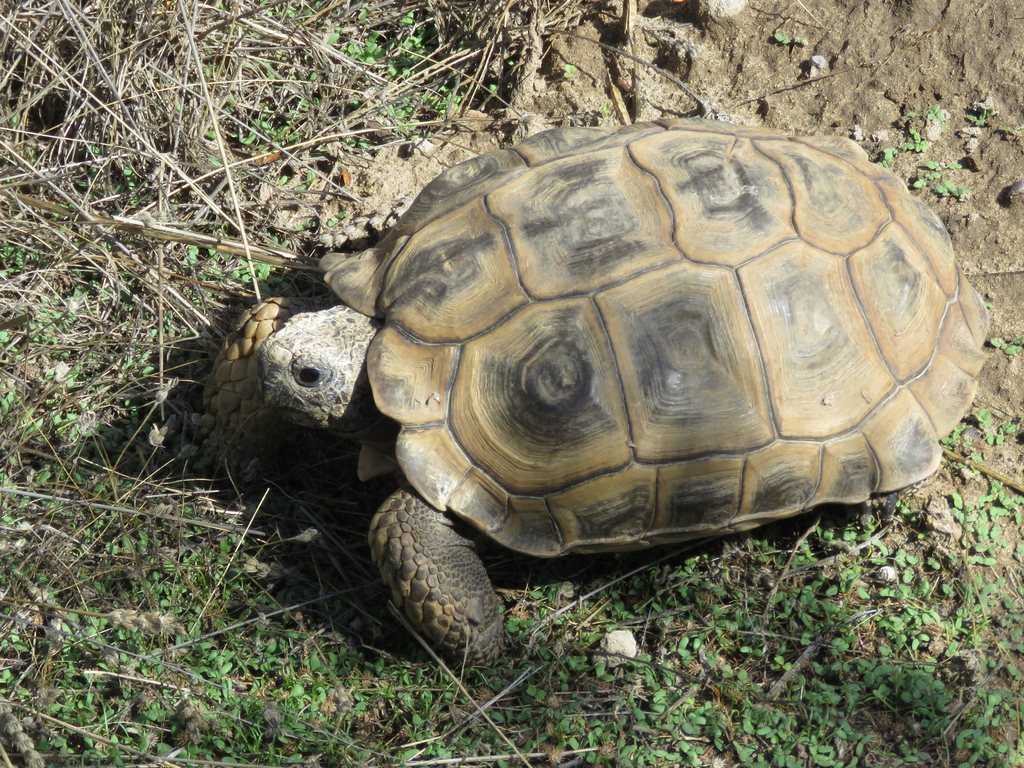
(888,64)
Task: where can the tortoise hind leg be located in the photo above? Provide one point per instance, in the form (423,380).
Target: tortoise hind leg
(437,577)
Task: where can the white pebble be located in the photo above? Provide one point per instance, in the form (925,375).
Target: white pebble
(618,643)
(715,10)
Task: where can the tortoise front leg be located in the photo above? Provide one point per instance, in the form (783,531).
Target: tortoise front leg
(436,575)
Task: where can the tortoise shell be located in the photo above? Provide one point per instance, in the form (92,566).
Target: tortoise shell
(606,339)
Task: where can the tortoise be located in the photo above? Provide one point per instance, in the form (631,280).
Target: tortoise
(606,339)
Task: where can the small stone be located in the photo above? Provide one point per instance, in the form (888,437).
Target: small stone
(819,62)
(888,574)
(1016,189)
(935,127)
(881,136)
(719,10)
(424,147)
(619,643)
(969,131)
(988,104)
(857,134)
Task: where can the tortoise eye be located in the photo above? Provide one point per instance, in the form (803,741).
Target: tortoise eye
(308,376)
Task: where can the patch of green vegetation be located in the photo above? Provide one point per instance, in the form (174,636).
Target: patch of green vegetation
(225,658)
(916,144)
(979,117)
(782,39)
(933,174)
(935,114)
(933,179)
(1008,347)
(399,58)
(995,435)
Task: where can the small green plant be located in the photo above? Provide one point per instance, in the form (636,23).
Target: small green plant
(916,144)
(780,38)
(936,114)
(1011,347)
(889,156)
(995,435)
(979,117)
(913,140)
(932,177)
(569,71)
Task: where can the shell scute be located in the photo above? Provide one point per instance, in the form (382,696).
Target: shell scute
(410,380)
(823,367)
(679,333)
(836,208)
(606,512)
(848,471)
(530,529)
(903,439)
(926,229)
(903,303)
(620,223)
(729,202)
(550,145)
(432,461)
(780,478)
(537,402)
(695,498)
(452,280)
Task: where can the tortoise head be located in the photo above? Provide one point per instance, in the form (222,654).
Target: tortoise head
(314,370)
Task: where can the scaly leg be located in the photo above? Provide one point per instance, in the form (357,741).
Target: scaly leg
(437,577)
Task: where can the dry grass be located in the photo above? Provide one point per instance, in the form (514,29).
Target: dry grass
(200,119)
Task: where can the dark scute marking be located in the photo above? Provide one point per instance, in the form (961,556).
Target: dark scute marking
(557,376)
(619,516)
(677,350)
(725,190)
(857,479)
(447,265)
(899,284)
(911,447)
(587,220)
(535,403)
(709,501)
(785,487)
